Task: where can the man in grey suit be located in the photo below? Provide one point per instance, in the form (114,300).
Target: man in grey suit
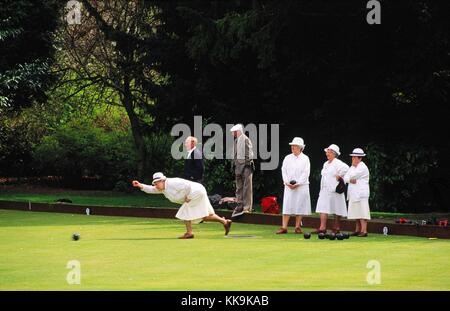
(243,169)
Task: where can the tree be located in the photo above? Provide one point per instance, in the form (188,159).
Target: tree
(113,55)
(318,69)
(24,71)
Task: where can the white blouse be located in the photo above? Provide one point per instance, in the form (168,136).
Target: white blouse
(360,190)
(176,190)
(329,171)
(296,168)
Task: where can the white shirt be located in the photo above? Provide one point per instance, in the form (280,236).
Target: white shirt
(296,168)
(176,190)
(190,152)
(360,190)
(329,171)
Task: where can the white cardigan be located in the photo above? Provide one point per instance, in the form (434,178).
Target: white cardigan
(360,190)
(296,168)
(177,190)
(329,171)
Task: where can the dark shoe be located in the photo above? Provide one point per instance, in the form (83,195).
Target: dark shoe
(227,226)
(187,236)
(238,211)
(298,230)
(356,233)
(319,231)
(336,231)
(281,231)
(362,235)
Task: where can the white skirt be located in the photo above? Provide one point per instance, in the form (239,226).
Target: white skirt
(198,208)
(359,209)
(331,203)
(297,201)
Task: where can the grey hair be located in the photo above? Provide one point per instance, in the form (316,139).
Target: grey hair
(192,139)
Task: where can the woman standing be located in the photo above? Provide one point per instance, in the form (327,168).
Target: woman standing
(357,178)
(296,200)
(193,197)
(330,202)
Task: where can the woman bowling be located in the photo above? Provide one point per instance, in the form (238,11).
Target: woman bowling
(195,205)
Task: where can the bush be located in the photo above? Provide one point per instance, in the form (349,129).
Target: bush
(400,178)
(79,149)
(219,177)
(123,186)
(15,147)
(159,157)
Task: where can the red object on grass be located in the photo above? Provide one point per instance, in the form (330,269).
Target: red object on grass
(270,205)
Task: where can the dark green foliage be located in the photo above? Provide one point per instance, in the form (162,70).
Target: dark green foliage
(219,177)
(320,71)
(26,51)
(316,68)
(15,148)
(81,149)
(401,178)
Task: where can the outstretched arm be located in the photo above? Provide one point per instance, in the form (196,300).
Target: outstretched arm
(145,188)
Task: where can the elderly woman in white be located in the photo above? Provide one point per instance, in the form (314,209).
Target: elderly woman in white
(296,200)
(330,202)
(193,197)
(357,178)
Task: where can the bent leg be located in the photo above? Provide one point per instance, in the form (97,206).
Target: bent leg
(216,218)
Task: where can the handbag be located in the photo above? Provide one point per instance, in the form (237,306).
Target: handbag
(340,188)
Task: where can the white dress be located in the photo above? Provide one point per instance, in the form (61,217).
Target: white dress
(358,194)
(177,189)
(296,201)
(331,202)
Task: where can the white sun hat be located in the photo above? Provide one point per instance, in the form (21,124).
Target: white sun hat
(357,152)
(237,127)
(333,147)
(298,141)
(157,177)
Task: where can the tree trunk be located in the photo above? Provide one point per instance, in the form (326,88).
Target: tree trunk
(127,102)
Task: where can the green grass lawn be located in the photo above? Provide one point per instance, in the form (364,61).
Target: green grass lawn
(119,253)
(104,198)
(138,199)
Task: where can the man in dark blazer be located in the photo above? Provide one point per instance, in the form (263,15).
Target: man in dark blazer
(193,163)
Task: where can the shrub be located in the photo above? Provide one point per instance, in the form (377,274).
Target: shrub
(15,148)
(400,177)
(219,177)
(79,149)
